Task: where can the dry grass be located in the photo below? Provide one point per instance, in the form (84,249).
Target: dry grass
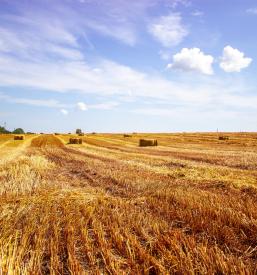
(46,141)
(109,207)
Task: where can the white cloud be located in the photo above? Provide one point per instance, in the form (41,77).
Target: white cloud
(65,52)
(111,79)
(233,60)
(192,60)
(252,10)
(168,30)
(51,103)
(64,112)
(124,34)
(82,106)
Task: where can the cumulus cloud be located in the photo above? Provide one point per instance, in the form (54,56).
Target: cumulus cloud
(192,60)
(64,112)
(233,60)
(82,106)
(169,30)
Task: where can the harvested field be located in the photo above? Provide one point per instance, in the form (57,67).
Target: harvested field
(108,206)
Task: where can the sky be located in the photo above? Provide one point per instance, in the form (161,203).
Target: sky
(128,66)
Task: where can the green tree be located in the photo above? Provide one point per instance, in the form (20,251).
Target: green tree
(18,131)
(3,130)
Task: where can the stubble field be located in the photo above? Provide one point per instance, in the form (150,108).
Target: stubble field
(188,206)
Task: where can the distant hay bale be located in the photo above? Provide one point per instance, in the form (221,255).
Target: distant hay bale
(126,135)
(19,137)
(75,141)
(81,134)
(148,142)
(93,133)
(223,138)
(56,134)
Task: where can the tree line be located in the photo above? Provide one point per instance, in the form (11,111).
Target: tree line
(16,131)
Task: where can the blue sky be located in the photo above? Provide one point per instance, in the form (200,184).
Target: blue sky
(121,66)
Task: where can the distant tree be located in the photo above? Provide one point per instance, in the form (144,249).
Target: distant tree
(18,131)
(3,130)
(78,131)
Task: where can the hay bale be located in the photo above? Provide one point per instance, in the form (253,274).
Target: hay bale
(148,142)
(75,141)
(223,138)
(126,135)
(81,134)
(56,134)
(19,137)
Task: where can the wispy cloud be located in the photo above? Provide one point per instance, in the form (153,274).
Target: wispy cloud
(51,103)
(168,30)
(252,10)
(71,20)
